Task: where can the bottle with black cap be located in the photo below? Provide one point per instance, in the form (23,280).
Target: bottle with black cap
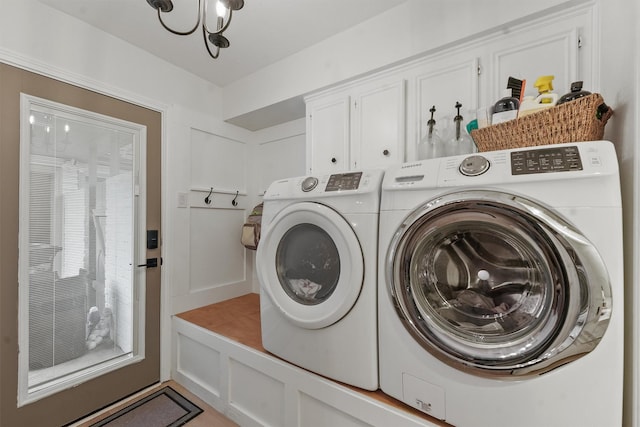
(506,108)
(576,93)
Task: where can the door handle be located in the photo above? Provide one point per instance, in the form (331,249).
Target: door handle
(151,262)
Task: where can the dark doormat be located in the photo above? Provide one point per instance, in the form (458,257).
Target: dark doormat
(164,408)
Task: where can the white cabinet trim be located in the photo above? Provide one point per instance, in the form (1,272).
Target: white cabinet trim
(293,385)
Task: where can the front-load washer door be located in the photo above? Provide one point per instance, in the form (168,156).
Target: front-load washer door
(311,265)
(497,285)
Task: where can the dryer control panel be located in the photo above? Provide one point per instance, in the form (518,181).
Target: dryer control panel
(344,181)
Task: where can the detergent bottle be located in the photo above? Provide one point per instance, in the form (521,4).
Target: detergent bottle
(545,99)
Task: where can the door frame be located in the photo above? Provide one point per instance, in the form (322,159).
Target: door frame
(103,390)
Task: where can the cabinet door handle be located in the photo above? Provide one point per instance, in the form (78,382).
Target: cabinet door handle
(334,160)
(386,152)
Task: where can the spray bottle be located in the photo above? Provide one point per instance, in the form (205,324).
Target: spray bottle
(545,99)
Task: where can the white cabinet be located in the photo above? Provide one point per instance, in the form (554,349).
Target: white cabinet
(379,120)
(328,128)
(441,83)
(372,132)
(378,126)
(254,388)
(356,127)
(562,46)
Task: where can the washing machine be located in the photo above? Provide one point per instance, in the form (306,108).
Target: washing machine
(317,267)
(501,287)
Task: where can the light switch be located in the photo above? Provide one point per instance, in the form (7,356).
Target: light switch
(183,200)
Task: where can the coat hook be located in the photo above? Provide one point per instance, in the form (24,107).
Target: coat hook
(234,202)
(207,199)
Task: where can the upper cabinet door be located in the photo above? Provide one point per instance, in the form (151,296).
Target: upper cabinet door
(532,55)
(563,46)
(378,125)
(442,84)
(328,135)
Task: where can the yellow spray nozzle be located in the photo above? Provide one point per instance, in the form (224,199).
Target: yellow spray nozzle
(544,84)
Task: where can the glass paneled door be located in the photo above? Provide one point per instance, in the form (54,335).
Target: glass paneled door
(80,185)
(79,214)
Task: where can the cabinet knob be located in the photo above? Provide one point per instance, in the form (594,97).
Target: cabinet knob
(334,160)
(386,152)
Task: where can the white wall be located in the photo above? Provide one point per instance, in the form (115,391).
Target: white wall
(34,35)
(620,85)
(410,29)
(202,247)
(279,152)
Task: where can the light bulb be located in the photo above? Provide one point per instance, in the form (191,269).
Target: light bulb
(221,10)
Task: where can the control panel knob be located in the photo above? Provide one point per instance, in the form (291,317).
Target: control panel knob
(334,160)
(309,183)
(474,165)
(386,152)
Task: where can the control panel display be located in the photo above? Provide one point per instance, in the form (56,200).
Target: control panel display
(344,181)
(555,159)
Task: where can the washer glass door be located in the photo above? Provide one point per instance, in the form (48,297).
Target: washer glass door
(311,265)
(497,284)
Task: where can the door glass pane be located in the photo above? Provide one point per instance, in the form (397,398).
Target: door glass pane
(77,244)
(308,264)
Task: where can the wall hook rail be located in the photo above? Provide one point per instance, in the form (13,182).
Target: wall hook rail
(207,199)
(234,202)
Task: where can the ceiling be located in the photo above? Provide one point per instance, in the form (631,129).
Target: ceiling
(261,33)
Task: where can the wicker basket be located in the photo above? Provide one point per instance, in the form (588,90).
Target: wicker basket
(579,120)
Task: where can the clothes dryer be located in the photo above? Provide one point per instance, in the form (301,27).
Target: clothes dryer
(501,287)
(317,266)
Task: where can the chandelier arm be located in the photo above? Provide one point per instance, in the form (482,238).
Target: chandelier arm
(181,33)
(219,30)
(206,43)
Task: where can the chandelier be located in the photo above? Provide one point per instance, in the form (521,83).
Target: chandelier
(224,11)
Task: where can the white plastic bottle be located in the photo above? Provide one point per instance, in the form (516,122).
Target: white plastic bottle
(545,98)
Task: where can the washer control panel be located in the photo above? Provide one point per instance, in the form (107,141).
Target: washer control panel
(542,160)
(344,181)
(474,165)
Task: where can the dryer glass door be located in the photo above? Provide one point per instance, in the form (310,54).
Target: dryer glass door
(497,284)
(308,264)
(311,265)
